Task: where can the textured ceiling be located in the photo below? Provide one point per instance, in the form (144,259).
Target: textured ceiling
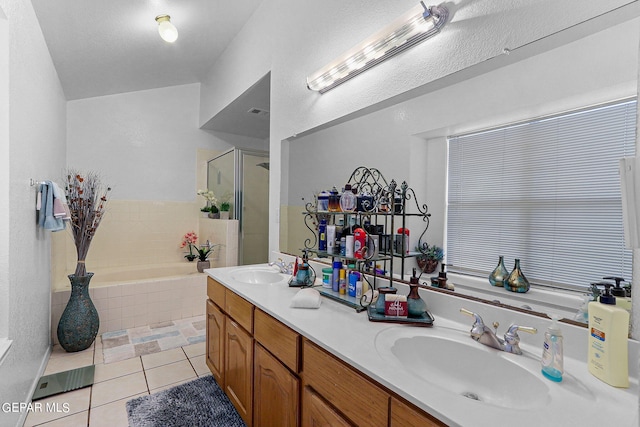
(103,47)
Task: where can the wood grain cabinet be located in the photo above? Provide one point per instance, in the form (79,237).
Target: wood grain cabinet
(403,415)
(318,413)
(238,375)
(215,342)
(276,378)
(276,391)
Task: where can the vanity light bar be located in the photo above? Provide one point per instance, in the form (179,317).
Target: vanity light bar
(420,23)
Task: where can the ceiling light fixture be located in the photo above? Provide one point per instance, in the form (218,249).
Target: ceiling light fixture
(417,25)
(167,30)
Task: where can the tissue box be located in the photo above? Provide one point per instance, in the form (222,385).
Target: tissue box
(395,305)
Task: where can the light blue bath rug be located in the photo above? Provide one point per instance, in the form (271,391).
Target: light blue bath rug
(134,342)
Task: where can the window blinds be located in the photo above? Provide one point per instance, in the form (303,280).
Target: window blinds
(546,192)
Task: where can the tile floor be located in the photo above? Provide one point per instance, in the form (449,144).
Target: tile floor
(104,403)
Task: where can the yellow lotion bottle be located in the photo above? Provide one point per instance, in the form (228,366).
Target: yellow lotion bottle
(608,348)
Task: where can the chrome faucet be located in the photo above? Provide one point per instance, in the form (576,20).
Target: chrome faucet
(284,268)
(481,333)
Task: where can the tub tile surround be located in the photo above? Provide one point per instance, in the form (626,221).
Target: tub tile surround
(138,240)
(139,232)
(352,338)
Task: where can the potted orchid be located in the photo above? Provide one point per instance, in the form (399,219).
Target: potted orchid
(202,253)
(210,208)
(189,240)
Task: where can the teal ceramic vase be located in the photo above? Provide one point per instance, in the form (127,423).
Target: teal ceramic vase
(517,282)
(79,323)
(499,274)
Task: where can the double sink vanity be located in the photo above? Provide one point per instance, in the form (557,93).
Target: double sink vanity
(331,366)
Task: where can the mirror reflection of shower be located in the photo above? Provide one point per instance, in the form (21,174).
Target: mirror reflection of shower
(235,172)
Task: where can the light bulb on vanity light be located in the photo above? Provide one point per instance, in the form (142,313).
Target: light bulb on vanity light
(167,30)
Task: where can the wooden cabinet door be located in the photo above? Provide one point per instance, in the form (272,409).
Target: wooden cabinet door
(275,390)
(317,413)
(238,376)
(215,342)
(403,415)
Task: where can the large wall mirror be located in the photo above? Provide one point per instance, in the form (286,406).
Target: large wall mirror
(408,141)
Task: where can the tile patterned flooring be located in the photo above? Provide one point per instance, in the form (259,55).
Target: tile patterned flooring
(104,403)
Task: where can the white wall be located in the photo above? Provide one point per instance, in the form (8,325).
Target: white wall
(296,38)
(36,148)
(407,141)
(4,174)
(143,143)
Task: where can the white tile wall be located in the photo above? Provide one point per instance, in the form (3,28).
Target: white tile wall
(139,304)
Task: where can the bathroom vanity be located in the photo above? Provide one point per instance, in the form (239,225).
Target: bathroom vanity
(290,366)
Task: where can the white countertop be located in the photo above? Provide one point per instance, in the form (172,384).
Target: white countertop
(580,399)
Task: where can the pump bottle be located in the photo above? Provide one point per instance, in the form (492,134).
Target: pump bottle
(608,357)
(552,360)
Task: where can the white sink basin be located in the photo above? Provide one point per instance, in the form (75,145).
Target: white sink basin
(451,360)
(261,276)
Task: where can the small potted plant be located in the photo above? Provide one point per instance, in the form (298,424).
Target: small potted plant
(189,241)
(225,205)
(203,253)
(224,210)
(213,211)
(429,257)
(205,211)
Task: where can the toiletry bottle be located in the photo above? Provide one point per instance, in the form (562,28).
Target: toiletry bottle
(331,238)
(354,277)
(348,249)
(323,201)
(415,305)
(620,293)
(552,361)
(322,235)
(359,243)
(607,357)
(335,279)
(343,281)
(334,200)
(442,277)
(348,200)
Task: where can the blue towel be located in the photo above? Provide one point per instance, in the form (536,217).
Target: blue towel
(46,219)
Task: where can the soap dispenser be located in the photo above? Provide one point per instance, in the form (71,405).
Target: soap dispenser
(620,293)
(608,346)
(552,359)
(415,305)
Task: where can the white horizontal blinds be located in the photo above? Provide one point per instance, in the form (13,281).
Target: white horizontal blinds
(546,192)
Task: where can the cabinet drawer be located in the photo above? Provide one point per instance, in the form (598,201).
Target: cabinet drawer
(216,292)
(239,310)
(350,392)
(281,341)
(404,415)
(316,412)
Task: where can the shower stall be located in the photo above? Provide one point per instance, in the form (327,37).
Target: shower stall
(243,176)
